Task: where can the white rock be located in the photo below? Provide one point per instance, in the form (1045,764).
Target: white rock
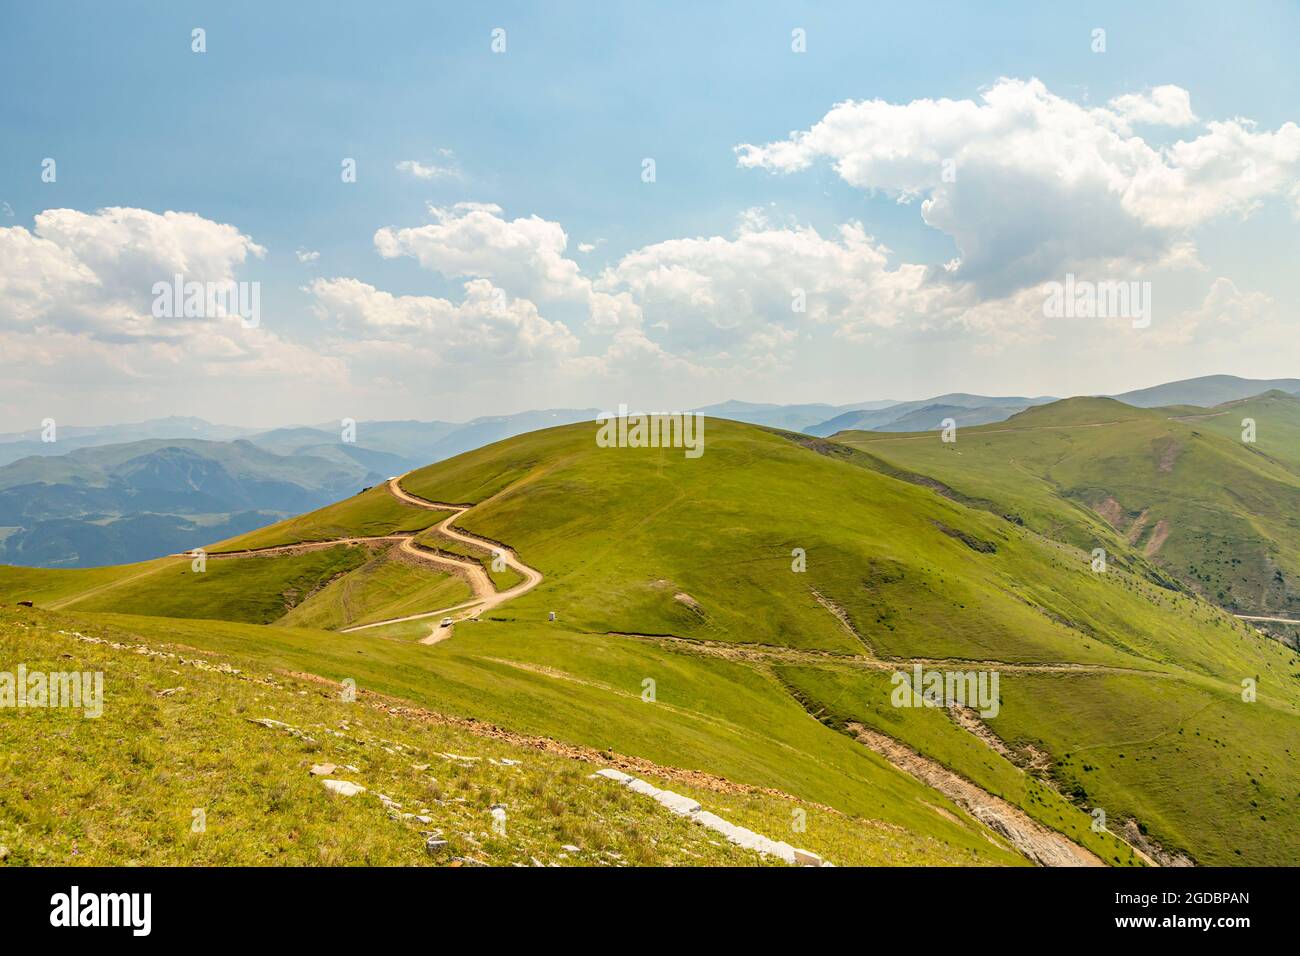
(611,774)
(323,769)
(640,786)
(684,806)
(344,788)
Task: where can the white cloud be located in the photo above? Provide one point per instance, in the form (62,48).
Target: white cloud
(1161,106)
(486,325)
(94,272)
(525,256)
(1037,184)
(306,255)
(76,301)
(445,168)
(717,293)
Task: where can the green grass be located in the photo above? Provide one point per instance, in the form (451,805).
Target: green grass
(1201,769)
(371,513)
(177,736)
(844,695)
(387,586)
(712,716)
(255,589)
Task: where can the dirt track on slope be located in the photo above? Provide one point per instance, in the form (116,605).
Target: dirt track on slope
(486,596)
(1039,843)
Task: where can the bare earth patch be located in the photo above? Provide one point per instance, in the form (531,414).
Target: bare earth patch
(1044,846)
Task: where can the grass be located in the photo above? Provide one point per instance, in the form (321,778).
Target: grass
(371,513)
(386,586)
(255,589)
(1202,770)
(177,735)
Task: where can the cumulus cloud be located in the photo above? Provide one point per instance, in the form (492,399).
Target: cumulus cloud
(525,256)
(77,297)
(1161,106)
(307,255)
(756,287)
(485,325)
(1029,184)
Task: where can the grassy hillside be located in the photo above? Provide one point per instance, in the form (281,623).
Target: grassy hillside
(102,792)
(258,590)
(707,610)
(885,817)
(386,586)
(1183,494)
(371,513)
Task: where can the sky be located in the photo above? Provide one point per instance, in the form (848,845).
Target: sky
(659,205)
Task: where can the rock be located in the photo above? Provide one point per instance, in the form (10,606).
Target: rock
(322,769)
(24,603)
(4,852)
(683,806)
(466,861)
(640,786)
(807,858)
(610,773)
(344,788)
(170,691)
(437,846)
(570,848)
(423,818)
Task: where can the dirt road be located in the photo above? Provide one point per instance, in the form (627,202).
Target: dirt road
(486,596)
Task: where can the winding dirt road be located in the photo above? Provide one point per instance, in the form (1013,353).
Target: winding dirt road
(486,596)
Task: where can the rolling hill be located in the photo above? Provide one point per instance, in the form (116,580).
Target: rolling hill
(740,615)
(1180,493)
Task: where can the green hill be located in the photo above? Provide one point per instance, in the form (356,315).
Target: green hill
(1183,495)
(739,615)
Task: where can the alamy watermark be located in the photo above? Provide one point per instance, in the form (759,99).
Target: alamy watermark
(208,300)
(652,430)
(80,690)
(977,690)
(1082,299)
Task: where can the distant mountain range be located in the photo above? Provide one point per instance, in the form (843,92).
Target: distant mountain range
(107,495)
(1207,391)
(124,493)
(928,414)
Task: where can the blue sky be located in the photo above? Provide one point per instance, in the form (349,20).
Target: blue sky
(251,133)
